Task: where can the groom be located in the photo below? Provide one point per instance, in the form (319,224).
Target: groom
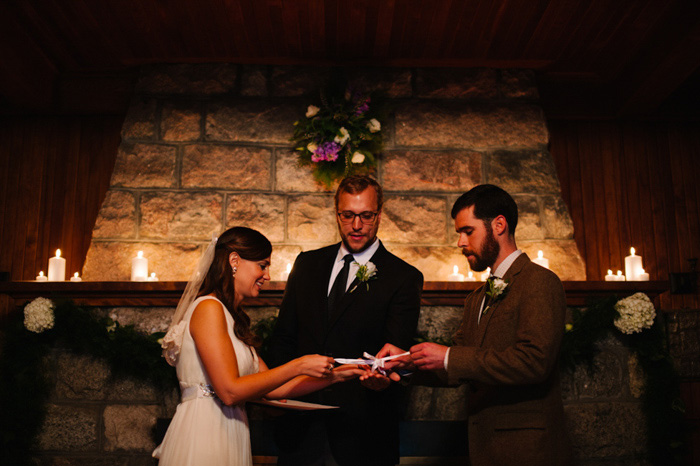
(329,308)
(507,346)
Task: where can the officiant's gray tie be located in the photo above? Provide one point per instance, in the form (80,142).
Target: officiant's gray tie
(340,283)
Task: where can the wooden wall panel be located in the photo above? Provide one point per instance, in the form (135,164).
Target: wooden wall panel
(632,184)
(54,173)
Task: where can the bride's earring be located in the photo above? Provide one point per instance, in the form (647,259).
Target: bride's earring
(235,269)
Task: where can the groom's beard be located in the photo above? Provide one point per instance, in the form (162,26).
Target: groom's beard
(486,257)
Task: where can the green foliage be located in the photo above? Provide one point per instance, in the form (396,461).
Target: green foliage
(25,389)
(264,328)
(661,400)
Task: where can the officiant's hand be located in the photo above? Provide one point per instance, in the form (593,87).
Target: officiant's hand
(429,356)
(404,362)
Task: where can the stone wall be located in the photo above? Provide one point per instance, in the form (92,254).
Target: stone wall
(205,147)
(94,419)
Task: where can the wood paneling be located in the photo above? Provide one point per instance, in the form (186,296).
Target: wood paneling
(632,185)
(54,173)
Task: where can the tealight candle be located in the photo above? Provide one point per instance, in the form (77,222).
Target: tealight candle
(57,268)
(633,264)
(470,277)
(76,278)
(139,268)
(610,277)
(541,260)
(41,277)
(153,277)
(643,276)
(455,276)
(285,274)
(485,275)
(619,277)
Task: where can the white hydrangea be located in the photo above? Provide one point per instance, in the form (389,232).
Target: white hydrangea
(636,313)
(38,315)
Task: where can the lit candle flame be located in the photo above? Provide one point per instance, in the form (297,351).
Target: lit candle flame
(540,254)
(58,253)
(140,254)
(455,269)
(632,251)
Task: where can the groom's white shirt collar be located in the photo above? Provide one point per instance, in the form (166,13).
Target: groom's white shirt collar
(361,258)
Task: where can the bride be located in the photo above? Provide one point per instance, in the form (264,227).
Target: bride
(213,349)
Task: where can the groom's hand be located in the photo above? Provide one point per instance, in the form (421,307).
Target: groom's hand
(376,381)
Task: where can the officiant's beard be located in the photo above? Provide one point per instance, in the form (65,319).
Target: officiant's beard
(487,254)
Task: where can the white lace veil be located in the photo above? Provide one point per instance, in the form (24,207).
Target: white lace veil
(172,342)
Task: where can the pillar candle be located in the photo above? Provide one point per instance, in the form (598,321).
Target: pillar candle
(57,268)
(76,278)
(139,268)
(455,276)
(41,277)
(610,277)
(470,277)
(285,274)
(541,260)
(633,265)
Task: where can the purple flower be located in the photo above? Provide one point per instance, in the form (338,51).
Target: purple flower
(362,108)
(327,151)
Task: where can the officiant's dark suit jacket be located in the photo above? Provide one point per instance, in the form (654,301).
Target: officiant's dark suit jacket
(510,361)
(365,428)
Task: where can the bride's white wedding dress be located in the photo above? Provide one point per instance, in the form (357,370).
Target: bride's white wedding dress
(204,431)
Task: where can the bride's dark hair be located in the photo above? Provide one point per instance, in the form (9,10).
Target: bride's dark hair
(250,245)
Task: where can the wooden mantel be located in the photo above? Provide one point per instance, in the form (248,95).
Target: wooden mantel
(168,293)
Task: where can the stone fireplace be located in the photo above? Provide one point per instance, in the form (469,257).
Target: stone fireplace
(206,147)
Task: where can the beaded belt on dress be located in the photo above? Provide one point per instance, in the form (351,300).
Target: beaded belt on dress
(202,390)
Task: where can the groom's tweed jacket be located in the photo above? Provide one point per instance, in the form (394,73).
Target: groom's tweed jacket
(510,361)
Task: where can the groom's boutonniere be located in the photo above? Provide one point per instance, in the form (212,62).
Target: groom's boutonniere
(497,290)
(365,273)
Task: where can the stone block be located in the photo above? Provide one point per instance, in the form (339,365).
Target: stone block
(457,83)
(524,172)
(117,217)
(529,219)
(636,376)
(111,261)
(563,255)
(439,321)
(140,121)
(451,171)
(101,460)
(448,124)
(311,218)
(262,212)
(181,121)
(281,256)
(390,82)
(604,380)
(253,81)
(450,403)
(69,428)
(81,377)
(435,262)
(606,430)
(292,177)
(556,219)
(228,167)
(414,220)
(189,79)
(420,401)
(132,391)
(146,320)
(518,84)
(145,166)
(295,81)
(129,427)
(254,120)
(181,216)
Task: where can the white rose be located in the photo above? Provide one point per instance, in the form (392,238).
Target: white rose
(358,157)
(311,111)
(371,268)
(312,147)
(374,126)
(343,137)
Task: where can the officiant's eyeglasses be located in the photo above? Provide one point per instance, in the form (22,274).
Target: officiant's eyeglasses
(366,217)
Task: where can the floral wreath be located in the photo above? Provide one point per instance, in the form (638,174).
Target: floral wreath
(340,136)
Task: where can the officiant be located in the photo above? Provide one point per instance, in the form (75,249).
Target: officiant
(343,300)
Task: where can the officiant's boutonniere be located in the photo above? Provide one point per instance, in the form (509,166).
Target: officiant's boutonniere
(365,273)
(497,290)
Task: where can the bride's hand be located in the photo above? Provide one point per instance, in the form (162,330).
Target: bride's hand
(314,365)
(346,372)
